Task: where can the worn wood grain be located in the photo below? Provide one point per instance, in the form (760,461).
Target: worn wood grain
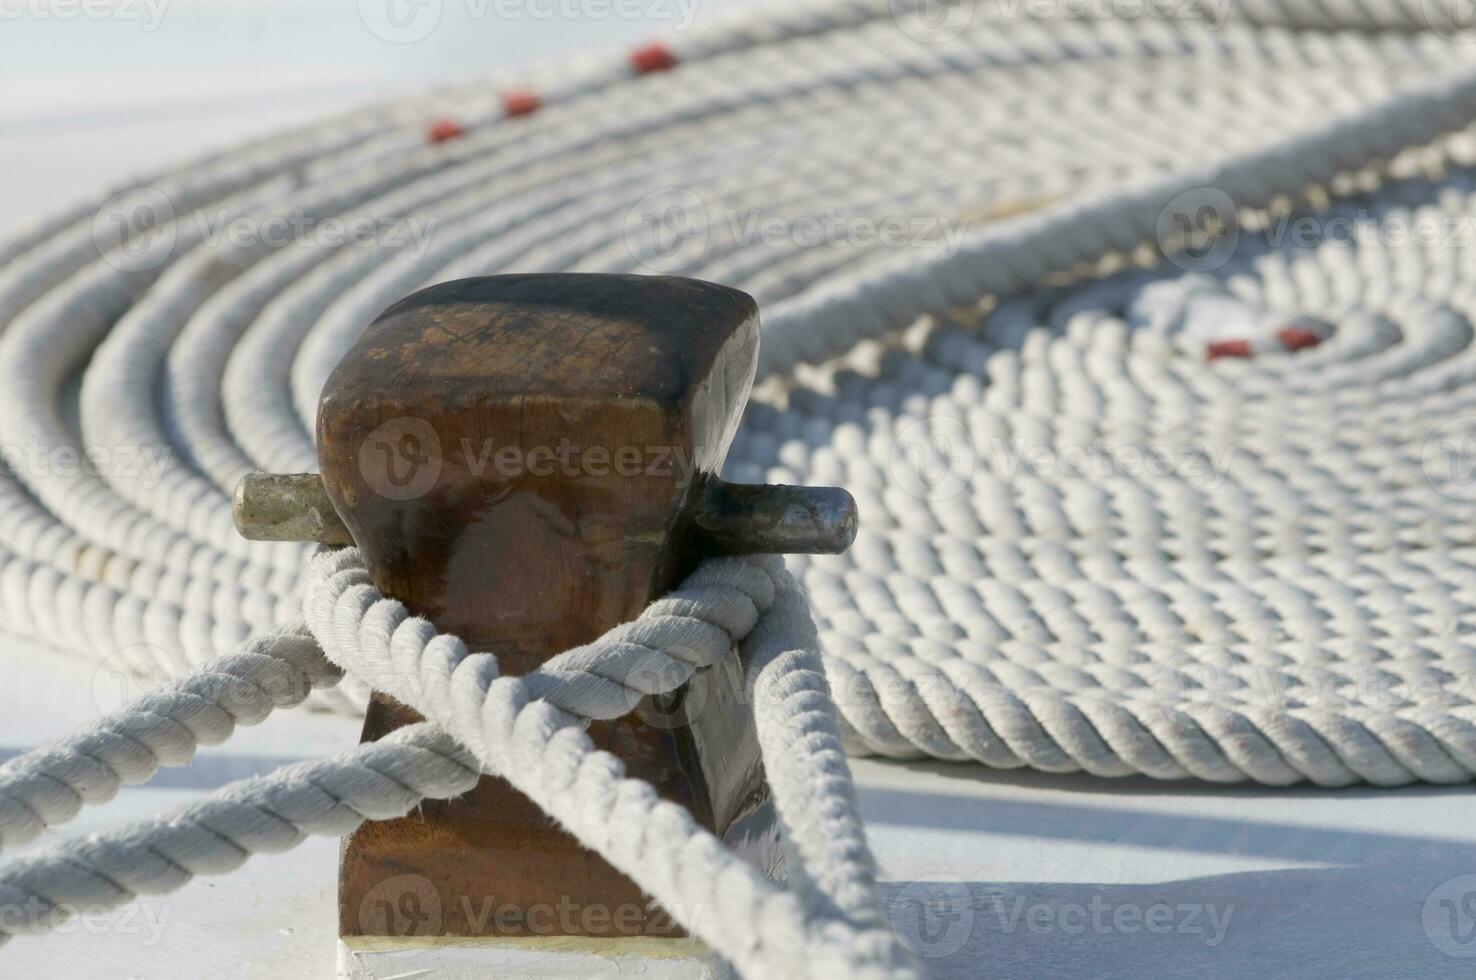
(518,458)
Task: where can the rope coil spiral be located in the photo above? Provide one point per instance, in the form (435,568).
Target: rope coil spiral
(1132,502)
(238,334)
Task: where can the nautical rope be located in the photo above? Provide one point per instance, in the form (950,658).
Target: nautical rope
(530,730)
(264,815)
(48,786)
(830,863)
(508,186)
(1141,492)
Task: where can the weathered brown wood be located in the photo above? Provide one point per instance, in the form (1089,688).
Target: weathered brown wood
(518,458)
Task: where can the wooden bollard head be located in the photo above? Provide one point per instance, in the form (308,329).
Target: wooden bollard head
(528,461)
(494,444)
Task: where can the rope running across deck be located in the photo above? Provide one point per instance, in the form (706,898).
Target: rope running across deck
(527,729)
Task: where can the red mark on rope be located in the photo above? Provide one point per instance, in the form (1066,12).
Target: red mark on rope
(520,102)
(1227,348)
(652,57)
(1296,338)
(443,129)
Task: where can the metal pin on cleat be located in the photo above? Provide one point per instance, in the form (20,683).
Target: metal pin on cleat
(729,518)
(528,461)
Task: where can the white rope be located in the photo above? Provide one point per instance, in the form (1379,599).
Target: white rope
(804,762)
(265,815)
(529,730)
(1296,609)
(49,786)
(517,726)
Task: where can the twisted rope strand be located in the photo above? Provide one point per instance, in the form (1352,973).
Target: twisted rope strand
(541,748)
(715,608)
(264,815)
(805,764)
(49,785)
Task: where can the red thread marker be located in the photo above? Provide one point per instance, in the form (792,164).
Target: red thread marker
(1296,338)
(520,102)
(443,129)
(652,57)
(1227,348)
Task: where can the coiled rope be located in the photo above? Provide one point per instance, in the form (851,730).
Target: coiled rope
(1013,383)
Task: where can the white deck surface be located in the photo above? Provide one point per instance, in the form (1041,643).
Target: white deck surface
(992,874)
